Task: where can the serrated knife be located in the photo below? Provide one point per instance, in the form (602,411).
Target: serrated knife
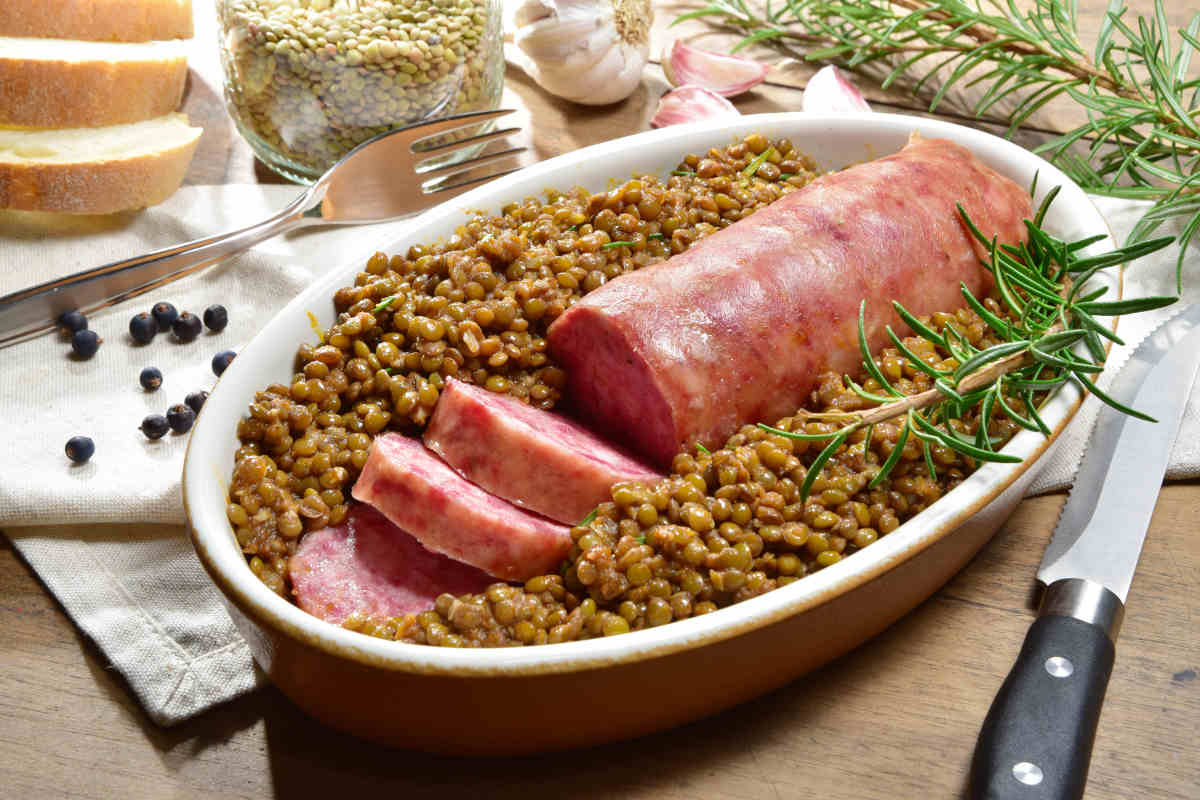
(1036,741)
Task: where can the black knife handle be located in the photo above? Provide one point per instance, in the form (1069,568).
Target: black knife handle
(1036,741)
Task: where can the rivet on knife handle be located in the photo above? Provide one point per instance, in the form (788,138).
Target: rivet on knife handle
(1036,742)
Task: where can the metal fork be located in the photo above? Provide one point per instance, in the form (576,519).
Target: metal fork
(388,177)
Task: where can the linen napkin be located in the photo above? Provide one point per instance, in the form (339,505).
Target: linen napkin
(1153,275)
(106,537)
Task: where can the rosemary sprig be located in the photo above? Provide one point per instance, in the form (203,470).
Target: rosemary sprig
(1142,135)
(1045,318)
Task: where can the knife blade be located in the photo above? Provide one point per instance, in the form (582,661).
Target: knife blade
(1036,741)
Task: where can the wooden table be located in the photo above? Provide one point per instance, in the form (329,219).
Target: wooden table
(896,718)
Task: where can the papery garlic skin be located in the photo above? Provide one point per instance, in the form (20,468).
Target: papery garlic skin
(691,104)
(726,75)
(829,92)
(588,51)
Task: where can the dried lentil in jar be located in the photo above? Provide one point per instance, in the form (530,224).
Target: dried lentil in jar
(308,80)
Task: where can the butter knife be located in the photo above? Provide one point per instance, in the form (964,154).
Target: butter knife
(1036,741)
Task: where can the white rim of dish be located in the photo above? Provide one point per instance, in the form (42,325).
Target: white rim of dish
(213,538)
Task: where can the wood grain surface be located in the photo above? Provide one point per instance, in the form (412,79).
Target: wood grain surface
(895,719)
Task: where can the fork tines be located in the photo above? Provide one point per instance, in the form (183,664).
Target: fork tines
(422,131)
(438,176)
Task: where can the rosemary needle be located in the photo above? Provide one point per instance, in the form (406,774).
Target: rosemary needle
(758,161)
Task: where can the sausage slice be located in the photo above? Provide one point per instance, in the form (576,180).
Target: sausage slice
(536,459)
(368,566)
(450,515)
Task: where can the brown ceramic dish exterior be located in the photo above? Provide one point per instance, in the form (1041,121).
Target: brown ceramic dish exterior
(561,696)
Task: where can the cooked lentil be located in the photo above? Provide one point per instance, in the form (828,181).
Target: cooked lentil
(723,527)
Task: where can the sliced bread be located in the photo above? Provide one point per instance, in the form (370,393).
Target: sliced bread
(59,83)
(95,170)
(97,20)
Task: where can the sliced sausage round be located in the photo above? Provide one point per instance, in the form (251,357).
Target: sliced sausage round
(448,514)
(370,567)
(536,459)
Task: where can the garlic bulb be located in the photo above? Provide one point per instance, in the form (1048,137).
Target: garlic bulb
(588,51)
(728,76)
(691,104)
(828,91)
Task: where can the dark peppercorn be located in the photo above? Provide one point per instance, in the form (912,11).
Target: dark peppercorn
(71,321)
(143,328)
(180,418)
(164,315)
(216,318)
(186,327)
(155,426)
(151,378)
(195,400)
(80,449)
(222,360)
(85,343)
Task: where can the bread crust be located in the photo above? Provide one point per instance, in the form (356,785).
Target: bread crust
(97,20)
(37,93)
(97,187)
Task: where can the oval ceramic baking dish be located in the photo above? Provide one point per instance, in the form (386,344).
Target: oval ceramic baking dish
(529,699)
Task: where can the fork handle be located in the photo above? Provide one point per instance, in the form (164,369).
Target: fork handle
(35,310)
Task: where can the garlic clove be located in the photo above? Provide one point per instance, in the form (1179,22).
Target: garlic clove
(691,104)
(587,51)
(557,40)
(726,75)
(829,92)
(608,80)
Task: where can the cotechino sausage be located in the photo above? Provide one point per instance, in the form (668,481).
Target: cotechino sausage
(737,328)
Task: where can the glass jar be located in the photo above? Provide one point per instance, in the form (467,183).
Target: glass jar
(308,80)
